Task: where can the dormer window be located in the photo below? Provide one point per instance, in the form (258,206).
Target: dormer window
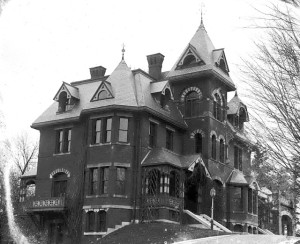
(241,118)
(102,94)
(63,101)
(67,96)
(189,59)
(217,110)
(165,98)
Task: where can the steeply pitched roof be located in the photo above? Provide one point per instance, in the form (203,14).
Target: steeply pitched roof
(130,89)
(203,46)
(234,104)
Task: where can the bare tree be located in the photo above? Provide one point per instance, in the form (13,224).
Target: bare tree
(23,151)
(273,75)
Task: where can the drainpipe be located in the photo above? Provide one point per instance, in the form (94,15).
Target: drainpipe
(279,214)
(137,170)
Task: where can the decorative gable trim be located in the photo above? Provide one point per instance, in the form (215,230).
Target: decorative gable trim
(189,89)
(221,58)
(190,51)
(64,88)
(103,92)
(167,86)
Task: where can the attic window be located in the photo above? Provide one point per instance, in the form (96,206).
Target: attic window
(62,102)
(102,94)
(164,99)
(222,65)
(189,59)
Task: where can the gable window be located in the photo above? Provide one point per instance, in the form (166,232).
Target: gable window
(104,180)
(189,59)
(238,158)
(217,110)
(59,187)
(152,134)
(62,102)
(222,151)
(102,94)
(213,147)
(101,130)
(198,143)
(63,141)
(94,181)
(169,139)
(121,177)
(191,104)
(123,130)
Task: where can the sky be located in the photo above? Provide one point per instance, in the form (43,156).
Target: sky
(43,43)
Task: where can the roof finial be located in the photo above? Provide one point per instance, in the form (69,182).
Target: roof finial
(201,22)
(123,51)
(236,94)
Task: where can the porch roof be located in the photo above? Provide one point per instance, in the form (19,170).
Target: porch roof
(164,156)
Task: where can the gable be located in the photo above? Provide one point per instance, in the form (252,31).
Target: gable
(220,60)
(189,57)
(70,90)
(104,91)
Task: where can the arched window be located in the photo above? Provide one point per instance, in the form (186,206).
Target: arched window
(102,94)
(164,99)
(222,151)
(213,147)
(189,59)
(198,143)
(242,118)
(30,189)
(62,102)
(90,221)
(174,184)
(59,187)
(102,221)
(153,182)
(217,111)
(191,104)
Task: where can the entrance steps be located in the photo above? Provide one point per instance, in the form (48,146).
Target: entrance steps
(265,231)
(205,221)
(110,230)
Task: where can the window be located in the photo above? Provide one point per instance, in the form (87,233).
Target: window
(238,158)
(104,180)
(59,188)
(169,139)
(174,184)
(63,141)
(101,131)
(152,134)
(62,102)
(102,94)
(30,189)
(90,223)
(94,181)
(191,104)
(254,202)
(237,197)
(153,182)
(123,130)
(189,59)
(198,143)
(102,221)
(213,147)
(250,201)
(121,177)
(218,107)
(222,152)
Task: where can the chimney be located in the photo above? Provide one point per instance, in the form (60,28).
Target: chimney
(97,72)
(155,63)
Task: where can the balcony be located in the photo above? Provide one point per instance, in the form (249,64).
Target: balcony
(44,204)
(163,201)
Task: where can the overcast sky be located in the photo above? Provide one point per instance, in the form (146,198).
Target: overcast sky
(43,43)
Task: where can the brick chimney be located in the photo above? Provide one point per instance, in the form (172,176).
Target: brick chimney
(155,63)
(97,72)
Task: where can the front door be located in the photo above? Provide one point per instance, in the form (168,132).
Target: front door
(56,233)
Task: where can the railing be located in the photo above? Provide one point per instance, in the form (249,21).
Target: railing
(34,204)
(163,201)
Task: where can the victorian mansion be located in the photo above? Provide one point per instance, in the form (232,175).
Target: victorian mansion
(140,146)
